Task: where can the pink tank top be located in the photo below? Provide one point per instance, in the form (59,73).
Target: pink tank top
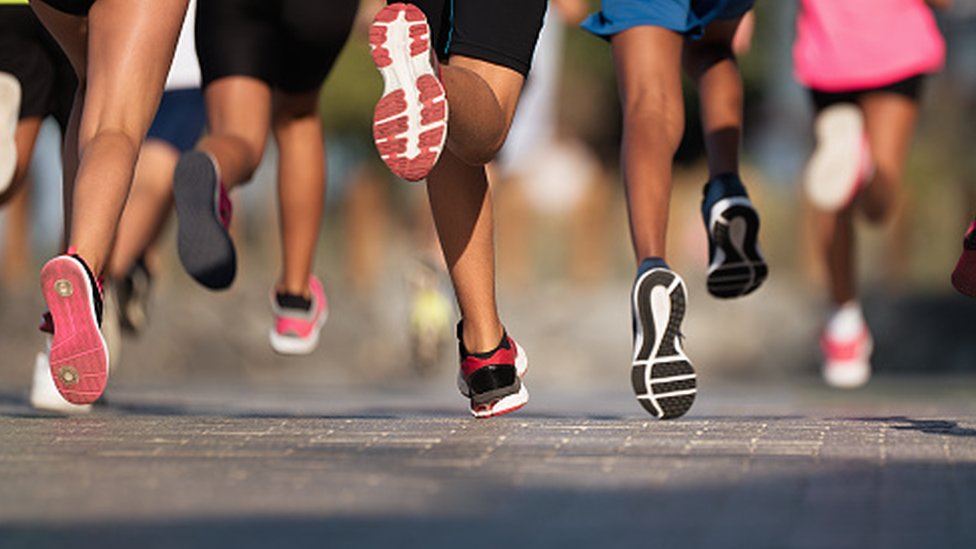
(845,45)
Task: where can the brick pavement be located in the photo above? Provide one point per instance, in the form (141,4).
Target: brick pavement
(357,466)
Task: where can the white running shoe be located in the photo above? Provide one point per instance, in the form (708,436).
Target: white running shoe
(9,115)
(841,162)
(44,395)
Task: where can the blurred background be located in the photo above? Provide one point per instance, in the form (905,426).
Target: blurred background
(563,251)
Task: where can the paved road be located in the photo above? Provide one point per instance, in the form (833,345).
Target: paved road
(339,465)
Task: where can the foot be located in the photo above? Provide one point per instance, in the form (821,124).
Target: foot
(132,293)
(735,264)
(79,358)
(410,120)
(9,115)
(662,375)
(841,162)
(846,344)
(964,275)
(493,380)
(203,211)
(298,320)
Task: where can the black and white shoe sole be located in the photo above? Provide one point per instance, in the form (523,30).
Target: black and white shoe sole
(204,245)
(737,267)
(662,375)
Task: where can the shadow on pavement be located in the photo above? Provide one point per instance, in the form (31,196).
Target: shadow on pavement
(928,426)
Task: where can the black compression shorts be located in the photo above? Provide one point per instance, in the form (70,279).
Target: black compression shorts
(289,44)
(503,32)
(32,56)
(910,88)
(73,7)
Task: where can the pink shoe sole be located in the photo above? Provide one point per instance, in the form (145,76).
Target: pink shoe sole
(79,355)
(410,120)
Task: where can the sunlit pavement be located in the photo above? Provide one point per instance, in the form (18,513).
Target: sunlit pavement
(769,464)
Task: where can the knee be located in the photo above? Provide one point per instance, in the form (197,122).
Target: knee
(655,117)
(490,137)
(474,155)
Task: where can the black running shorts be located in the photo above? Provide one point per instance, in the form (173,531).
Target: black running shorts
(29,53)
(289,44)
(503,32)
(910,88)
(72,7)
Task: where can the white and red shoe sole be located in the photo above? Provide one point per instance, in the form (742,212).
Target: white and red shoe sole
(410,120)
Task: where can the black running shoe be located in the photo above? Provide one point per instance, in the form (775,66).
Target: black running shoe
(735,265)
(662,376)
(132,294)
(203,211)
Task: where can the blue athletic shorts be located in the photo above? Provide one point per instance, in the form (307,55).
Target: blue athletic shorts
(180,119)
(688,17)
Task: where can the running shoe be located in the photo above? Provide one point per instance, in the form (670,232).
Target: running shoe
(847,361)
(203,211)
(298,320)
(662,375)
(964,275)
(735,264)
(841,162)
(44,394)
(132,292)
(79,357)
(9,115)
(493,380)
(846,344)
(410,120)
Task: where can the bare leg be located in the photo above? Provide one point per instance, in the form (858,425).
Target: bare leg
(129,46)
(889,120)
(650,92)
(712,66)
(835,238)
(301,186)
(461,203)
(459,193)
(239,116)
(482,97)
(148,205)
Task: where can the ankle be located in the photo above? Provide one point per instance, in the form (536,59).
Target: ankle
(481,338)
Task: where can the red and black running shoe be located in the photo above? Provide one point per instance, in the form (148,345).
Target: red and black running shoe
(410,120)
(493,380)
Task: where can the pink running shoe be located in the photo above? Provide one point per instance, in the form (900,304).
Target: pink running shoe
(410,120)
(964,275)
(79,355)
(298,321)
(847,362)
(493,380)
